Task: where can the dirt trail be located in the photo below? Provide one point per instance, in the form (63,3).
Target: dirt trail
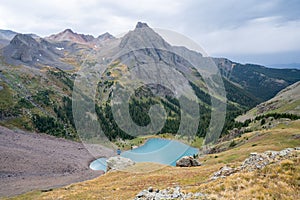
(30,161)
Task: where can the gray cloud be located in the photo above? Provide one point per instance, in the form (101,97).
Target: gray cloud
(229,27)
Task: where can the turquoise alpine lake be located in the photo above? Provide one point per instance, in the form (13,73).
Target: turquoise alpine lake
(156,150)
(99,164)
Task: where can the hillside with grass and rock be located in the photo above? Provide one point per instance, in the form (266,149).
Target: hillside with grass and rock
(264,164)
(286,101)
(37,79)
(255,156)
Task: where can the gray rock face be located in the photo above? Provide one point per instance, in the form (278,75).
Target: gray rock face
(24,49)
(118,163)
(187,161)
(25,46)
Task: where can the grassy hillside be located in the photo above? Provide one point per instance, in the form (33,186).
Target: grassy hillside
(37,100)
(286,101)
(276,181)
(269,81)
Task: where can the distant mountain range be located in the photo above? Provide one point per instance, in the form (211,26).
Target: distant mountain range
(285,66)
(37,76)
(69,35)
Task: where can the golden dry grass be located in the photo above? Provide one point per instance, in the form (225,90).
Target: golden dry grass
(277,181)
(276,139)
(125,185)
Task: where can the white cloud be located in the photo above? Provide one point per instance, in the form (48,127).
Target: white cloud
(261,35)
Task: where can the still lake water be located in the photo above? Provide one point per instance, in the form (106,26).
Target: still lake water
(154,150)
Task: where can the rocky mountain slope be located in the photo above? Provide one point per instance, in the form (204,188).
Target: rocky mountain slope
(37,77)
(251,77)
(37,80)
(25,49)
(39,161)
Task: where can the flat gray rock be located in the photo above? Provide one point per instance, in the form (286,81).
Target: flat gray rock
(118,163)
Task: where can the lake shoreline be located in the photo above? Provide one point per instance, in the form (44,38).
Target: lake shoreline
(157,150)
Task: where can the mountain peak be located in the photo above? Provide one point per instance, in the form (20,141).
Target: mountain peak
(141,25)
(143,37)
(69,35)
(7,34)
(105,36)
(68,30)
(22,47)
(23,39)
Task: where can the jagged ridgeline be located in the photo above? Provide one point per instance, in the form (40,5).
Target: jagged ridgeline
(37,77)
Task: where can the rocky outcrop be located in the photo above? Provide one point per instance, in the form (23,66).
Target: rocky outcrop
(260,160)
(213,150)
(118,163)
(223,172)
(187,161)
(254,162)
(169,193)
(257,161)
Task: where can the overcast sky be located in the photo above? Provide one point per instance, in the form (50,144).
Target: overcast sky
(255,31)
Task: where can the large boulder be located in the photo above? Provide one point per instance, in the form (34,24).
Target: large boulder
(118,163)
(187,161)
